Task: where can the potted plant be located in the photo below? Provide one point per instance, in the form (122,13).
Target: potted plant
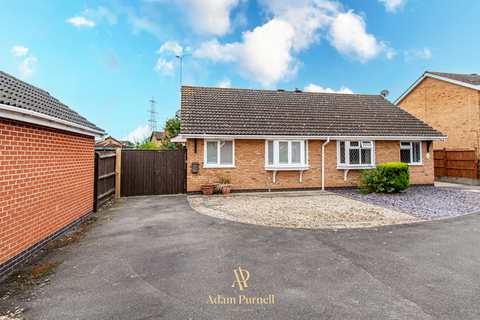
(207,188)
(224,183)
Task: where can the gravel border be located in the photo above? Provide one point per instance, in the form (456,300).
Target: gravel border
(429,203)
(313,212)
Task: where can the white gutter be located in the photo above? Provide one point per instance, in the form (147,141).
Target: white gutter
(434,76)
(323,163)
(29,116)
(275,137)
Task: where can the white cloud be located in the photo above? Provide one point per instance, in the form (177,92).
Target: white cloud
(224,83)
(423,53)
(393,5)
(209,17)
(264,54)
(314,88)
(164,68)
(25,67)
(267,54)
(81,22)
(170,46)
(138,134)
(19,51)
(348,35)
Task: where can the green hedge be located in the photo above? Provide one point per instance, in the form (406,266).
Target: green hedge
(385,178)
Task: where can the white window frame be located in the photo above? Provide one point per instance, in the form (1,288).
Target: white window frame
(218,165)
(361,145)
(276,155)
(410,147)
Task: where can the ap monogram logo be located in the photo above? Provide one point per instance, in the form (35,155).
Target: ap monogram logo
(238,275)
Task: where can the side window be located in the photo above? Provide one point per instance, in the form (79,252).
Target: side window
(411,152)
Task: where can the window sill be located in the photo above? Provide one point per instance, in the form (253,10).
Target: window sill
(346,168)
(286,168)
(300,168)
(414,164)
(354,166)
(213,166)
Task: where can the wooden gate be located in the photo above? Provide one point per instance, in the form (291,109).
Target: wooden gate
(153,172)
(456,163)
(104,178)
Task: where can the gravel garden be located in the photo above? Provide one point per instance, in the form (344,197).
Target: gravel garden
(384,197)
(342,208)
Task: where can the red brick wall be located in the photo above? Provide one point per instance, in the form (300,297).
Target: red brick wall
(46,182)
(250,161)
(450,108)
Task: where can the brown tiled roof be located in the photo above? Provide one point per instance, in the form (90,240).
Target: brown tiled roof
(468,78)
(17,93)
(259,112)
(158,135)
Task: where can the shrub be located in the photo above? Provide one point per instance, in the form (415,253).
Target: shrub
(398,173)
(375,180)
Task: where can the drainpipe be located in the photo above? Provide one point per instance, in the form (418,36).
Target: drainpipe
(323,163)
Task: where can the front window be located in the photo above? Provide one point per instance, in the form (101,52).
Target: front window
(356,153)
(219,153)
(286,153)
(411,152)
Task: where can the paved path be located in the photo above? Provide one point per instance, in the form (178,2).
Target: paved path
(456,186)
(158,259)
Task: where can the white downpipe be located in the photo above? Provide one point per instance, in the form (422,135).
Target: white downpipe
(323,163)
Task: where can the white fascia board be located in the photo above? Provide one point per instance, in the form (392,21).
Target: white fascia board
(33,117)
(178,138)
(434,76)
(265,137)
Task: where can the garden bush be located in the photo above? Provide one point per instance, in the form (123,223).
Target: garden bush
(385,178)
(398,173)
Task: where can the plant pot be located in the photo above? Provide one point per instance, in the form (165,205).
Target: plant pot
(207,189)
(226,190)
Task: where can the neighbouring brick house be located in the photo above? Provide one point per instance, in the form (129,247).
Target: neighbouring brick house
(111,143)
(300,140)
(157,137)
(46,170)
(449,102)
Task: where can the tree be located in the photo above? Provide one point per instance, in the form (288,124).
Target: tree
(172,128)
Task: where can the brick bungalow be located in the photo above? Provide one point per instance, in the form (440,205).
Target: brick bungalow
(298,140)
(46,170)
(449,102)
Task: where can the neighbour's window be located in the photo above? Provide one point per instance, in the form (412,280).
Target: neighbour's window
(411,152)
(356,152)
(219,153)
(286,153)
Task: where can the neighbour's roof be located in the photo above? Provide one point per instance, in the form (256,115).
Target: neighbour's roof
(468,78)
(17,93)
(158,135)
(226,111)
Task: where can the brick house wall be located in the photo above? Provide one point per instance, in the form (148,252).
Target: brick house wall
(46,183)
(250,159)
(450,108)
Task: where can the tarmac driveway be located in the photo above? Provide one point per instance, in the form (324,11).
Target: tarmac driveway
(157,258)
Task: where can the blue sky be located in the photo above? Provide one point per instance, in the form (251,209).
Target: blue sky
(107,59)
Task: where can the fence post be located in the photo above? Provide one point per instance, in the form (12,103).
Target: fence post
(118,171)
(445,161)
(95,182)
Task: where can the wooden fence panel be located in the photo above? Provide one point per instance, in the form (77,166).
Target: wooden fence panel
(153,172)
(456,163)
